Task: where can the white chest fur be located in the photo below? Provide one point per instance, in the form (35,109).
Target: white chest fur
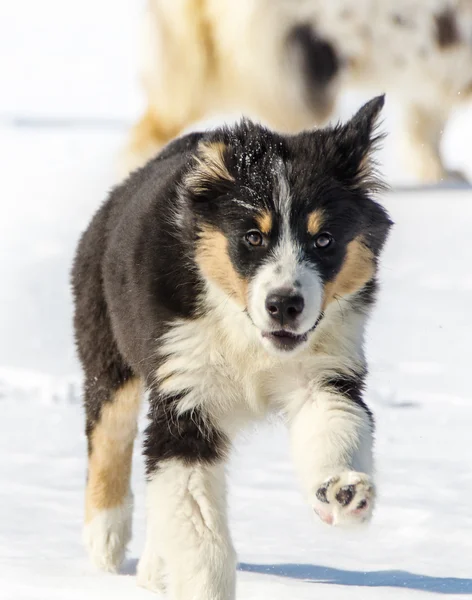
(218,364)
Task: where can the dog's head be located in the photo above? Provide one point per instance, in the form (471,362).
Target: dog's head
(286,224)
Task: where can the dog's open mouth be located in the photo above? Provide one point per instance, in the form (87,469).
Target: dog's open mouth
(285,340)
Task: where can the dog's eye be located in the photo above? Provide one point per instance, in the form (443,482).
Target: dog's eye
(254,238)
(323,240)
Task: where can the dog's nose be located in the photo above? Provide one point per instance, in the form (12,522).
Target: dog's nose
(284,307)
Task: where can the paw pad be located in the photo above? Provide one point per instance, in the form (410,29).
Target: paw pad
(346,498)
(346,494)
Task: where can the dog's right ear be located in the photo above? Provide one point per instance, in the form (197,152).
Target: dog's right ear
(350,153)
(209,172)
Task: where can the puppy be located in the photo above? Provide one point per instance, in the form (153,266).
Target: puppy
(230,277)
(286,63)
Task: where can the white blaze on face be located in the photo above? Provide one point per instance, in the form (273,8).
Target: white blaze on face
(285,271)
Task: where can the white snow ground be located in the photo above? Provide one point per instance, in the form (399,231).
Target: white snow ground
(72,62)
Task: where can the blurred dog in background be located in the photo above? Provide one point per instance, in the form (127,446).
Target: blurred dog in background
(285,62)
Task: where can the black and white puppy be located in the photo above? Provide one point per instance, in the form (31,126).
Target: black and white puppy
(231,276)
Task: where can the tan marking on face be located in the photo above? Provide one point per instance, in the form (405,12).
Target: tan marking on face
(264,222)
(213,259)
(315,221)
(210,167)
(111,450)
(357,270)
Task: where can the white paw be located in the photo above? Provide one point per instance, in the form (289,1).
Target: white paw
(107,535)
(151,573)
(345,499)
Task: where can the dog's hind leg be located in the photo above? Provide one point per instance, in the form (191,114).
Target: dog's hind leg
(177,72)
(422,142)
(422,145)
(112,413)
(149,135)
(112,396)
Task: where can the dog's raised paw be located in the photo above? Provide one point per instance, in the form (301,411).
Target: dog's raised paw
(345,499)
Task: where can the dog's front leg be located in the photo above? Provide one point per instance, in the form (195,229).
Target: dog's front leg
(331,432)
(188,547)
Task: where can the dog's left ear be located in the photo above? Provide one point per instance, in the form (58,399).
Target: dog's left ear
(356,142)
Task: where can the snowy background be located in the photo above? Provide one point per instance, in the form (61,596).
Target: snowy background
(68,93)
